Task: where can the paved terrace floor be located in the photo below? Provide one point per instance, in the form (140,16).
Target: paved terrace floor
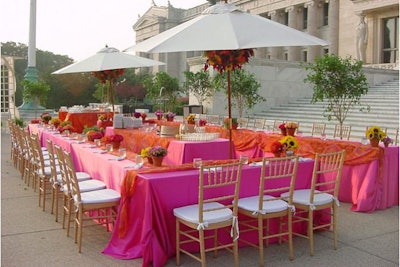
(31,237)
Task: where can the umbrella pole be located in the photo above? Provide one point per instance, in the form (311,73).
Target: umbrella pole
(111,93)
(229,113)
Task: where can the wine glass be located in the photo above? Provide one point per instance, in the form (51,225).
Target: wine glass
(244,159)
(122,152)
(197,162)
(139,159)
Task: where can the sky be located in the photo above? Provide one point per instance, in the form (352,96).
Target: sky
(78,28)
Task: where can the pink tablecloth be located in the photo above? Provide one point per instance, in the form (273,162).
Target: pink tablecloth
(180,152)
(151,231)
(370,188)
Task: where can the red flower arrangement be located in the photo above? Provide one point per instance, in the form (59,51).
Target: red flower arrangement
(277,147)
(202,122)
(115,138)
(137,115)
(282,126)
(107,75)
(227,59)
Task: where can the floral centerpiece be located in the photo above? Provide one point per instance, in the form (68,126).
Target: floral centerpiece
(45,117)
(277,148)
(137,115)
(55,122)
(234,125)
(157,153)
(108,75)
(35,121)
(103,120)
(66,126)
(143,115)
(375,134)
(190,119)
(102,117)
(282,128)
(289,143)
(291,128)
(202,122)
(145,153)
(115,140)
(169,116)
(227,59)
(387,141)
(159,113)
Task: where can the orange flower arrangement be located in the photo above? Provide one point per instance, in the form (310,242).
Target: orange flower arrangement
(106,75)
(227,59)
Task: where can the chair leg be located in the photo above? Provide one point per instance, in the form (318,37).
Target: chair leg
(334,225)
(260,240)
(311,231)
(290,235)
(202,248)
(178,245)
(69,216)
(236,249)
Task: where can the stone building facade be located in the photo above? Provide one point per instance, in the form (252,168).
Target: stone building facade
(363,29)
(335,21)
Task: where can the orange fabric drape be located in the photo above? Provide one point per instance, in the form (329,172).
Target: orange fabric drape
(80,120)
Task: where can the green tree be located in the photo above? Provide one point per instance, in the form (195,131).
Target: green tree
(244,89)
(36,92)
(339,81)
(163,90)
(199,84)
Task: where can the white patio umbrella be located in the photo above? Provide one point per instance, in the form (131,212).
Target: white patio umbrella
(225,26)
(109,59)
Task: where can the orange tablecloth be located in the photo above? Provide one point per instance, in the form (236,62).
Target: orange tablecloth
(80,120)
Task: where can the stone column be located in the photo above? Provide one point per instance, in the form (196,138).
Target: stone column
(276,52)
(333,22)
(312,22)
(294,51)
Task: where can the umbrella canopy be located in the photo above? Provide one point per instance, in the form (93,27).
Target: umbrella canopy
(108,58)
(107,65)
(225,26)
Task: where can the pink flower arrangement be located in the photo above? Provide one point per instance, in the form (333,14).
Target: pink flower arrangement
(202,122)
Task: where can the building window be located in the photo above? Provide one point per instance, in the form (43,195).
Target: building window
(325,14)
(5,100)
(285,56)
(326,51)
(390,40)
(305,17)
(304,56)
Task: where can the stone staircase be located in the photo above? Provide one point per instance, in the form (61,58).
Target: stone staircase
(383,100)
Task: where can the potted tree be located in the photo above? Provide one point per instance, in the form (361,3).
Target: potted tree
(339,81)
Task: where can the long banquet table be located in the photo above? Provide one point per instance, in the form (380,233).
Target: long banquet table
(368,184)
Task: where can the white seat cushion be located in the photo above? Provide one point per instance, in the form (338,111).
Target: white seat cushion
(191,213)
(302,196)
(82,176)
(91,185)
(251,204)
(99,196)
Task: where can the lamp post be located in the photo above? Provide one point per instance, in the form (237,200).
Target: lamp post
(31,71)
